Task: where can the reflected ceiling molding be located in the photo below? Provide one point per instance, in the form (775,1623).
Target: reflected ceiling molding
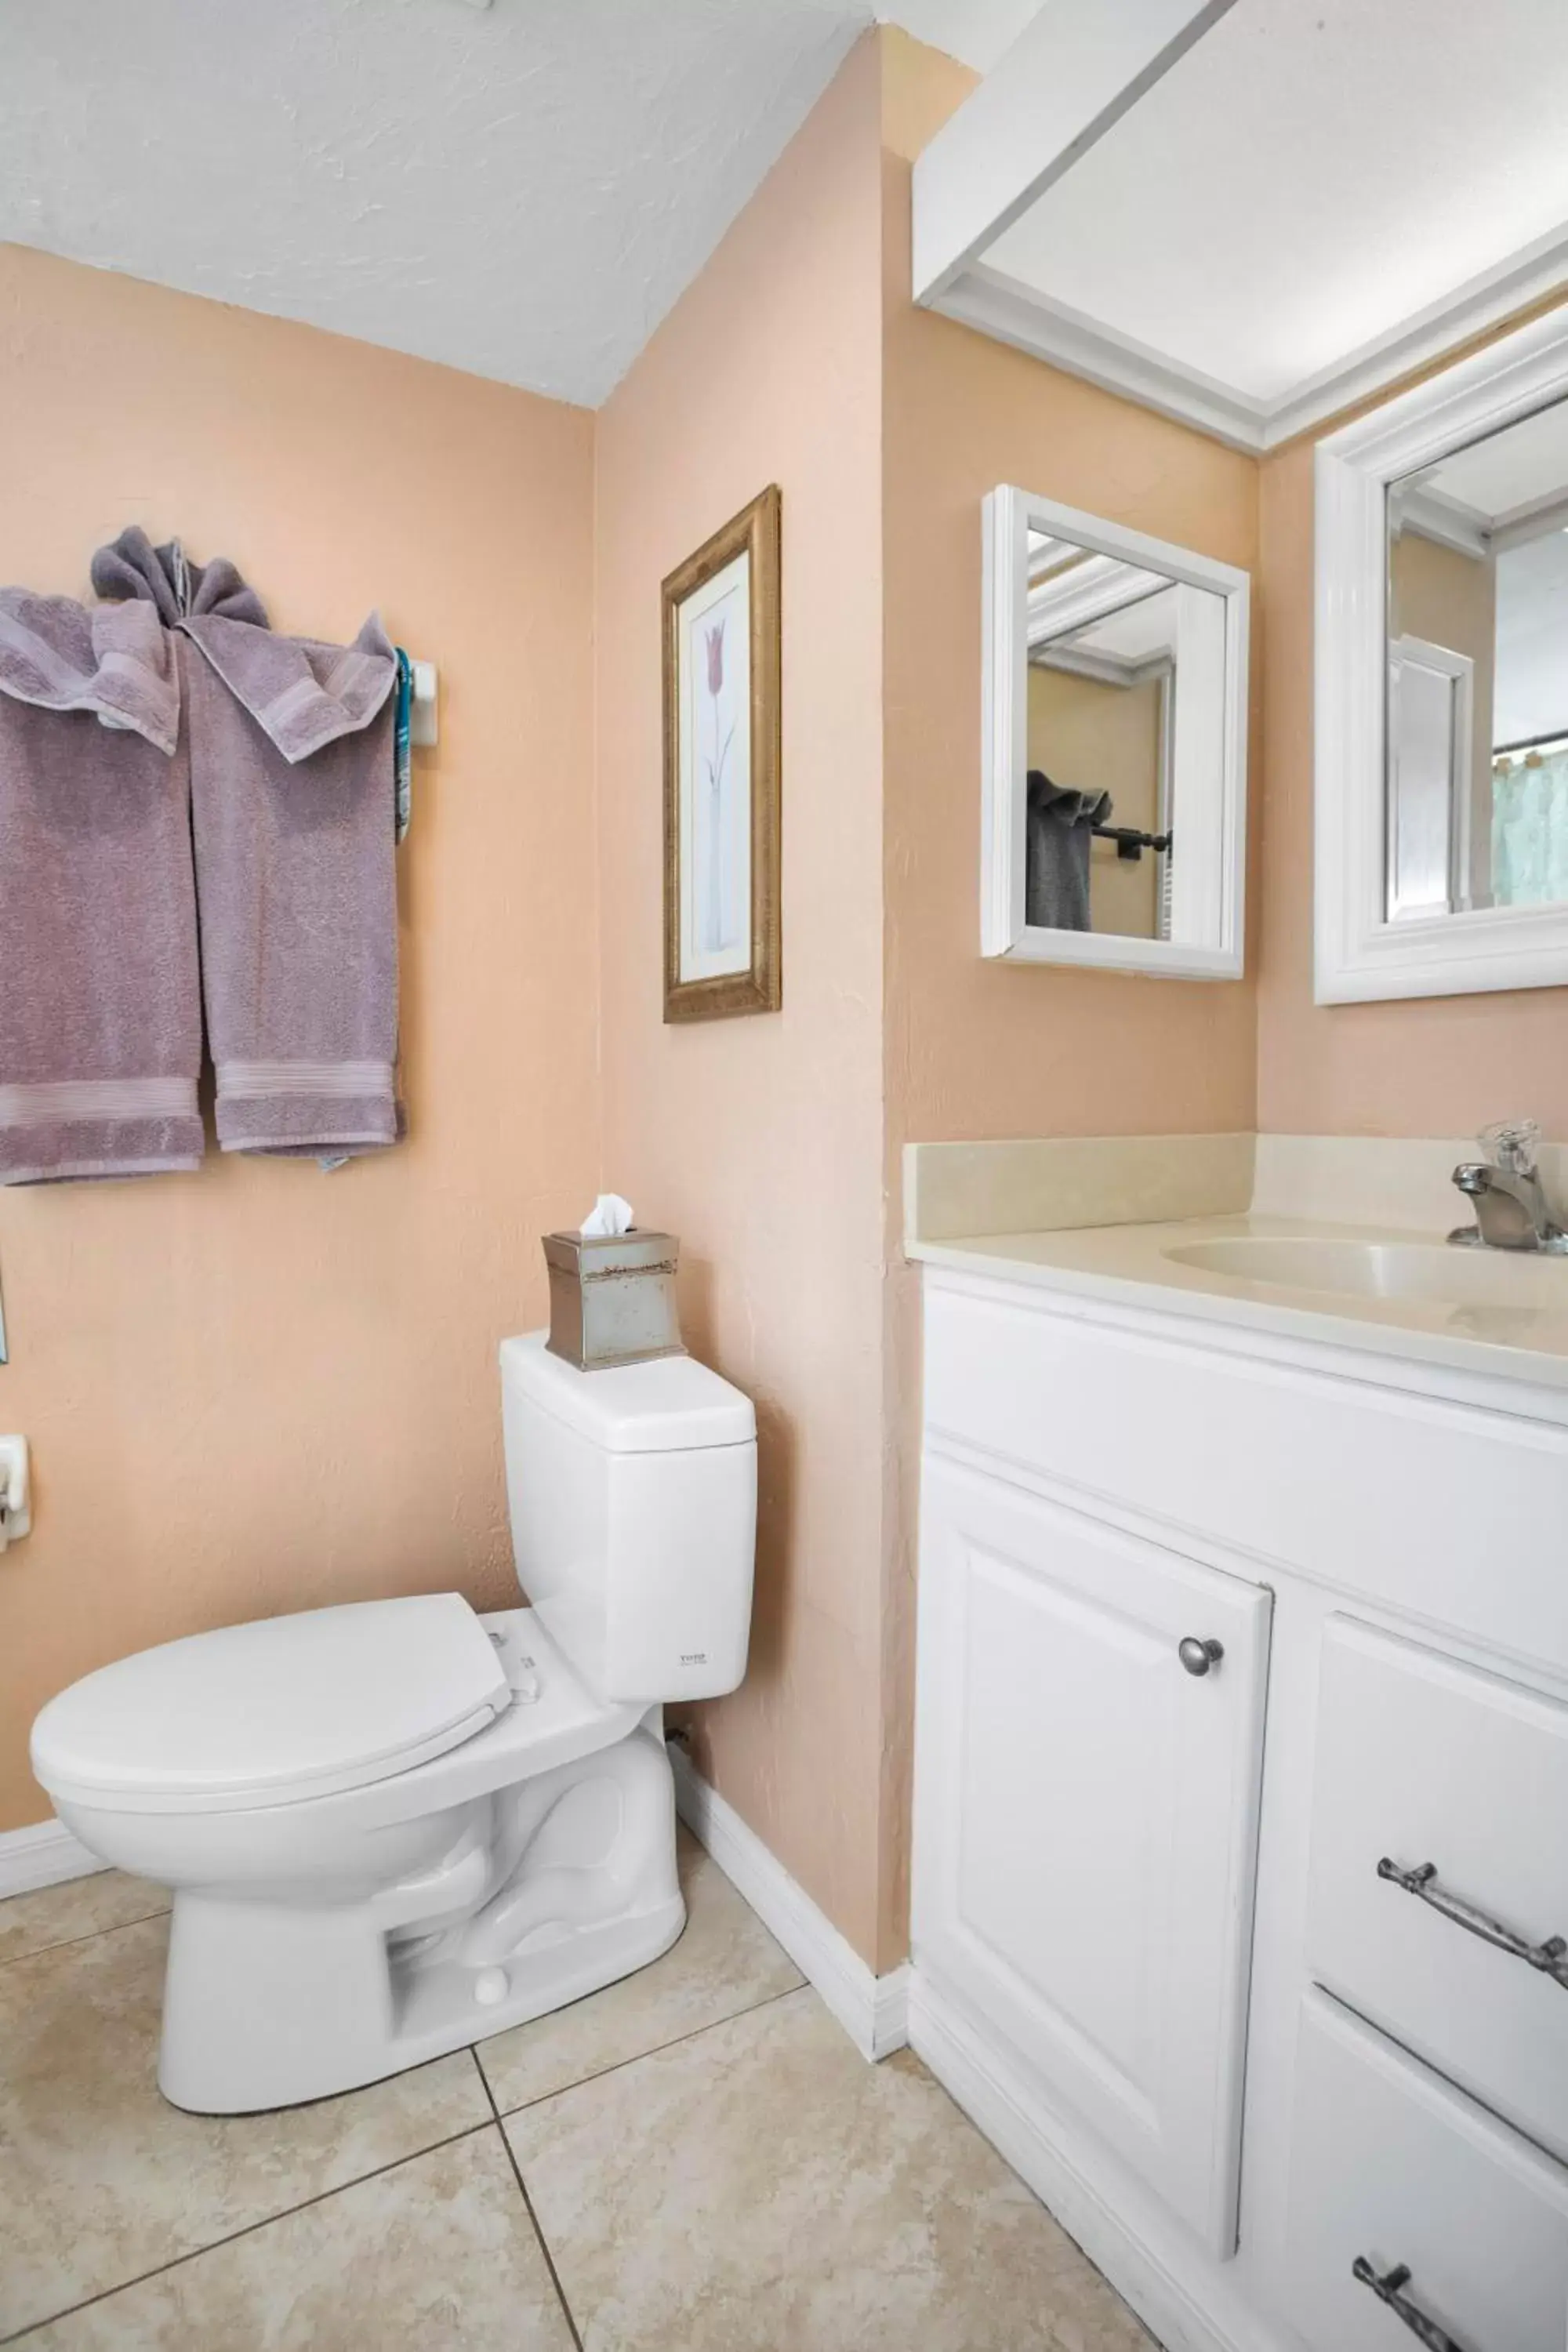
(1529,523)
(1444,521)
(1095,587)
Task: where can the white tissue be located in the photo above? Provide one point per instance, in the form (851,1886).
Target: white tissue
(609,1214)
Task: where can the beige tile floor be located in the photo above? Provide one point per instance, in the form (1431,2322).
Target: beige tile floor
(694,2160)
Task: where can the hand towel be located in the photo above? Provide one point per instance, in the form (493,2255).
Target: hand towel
(133,571)
(292,795)
(1059,829)
(293,807)
(100,1004)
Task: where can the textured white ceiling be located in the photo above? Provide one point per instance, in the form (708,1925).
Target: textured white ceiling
(522,190)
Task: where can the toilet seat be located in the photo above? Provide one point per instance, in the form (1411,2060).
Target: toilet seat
(275,1711)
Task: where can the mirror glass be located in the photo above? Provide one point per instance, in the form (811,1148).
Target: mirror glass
(1102,688)
(1477,752)
(1114,698)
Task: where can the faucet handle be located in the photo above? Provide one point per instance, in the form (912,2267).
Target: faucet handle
(1512,1142)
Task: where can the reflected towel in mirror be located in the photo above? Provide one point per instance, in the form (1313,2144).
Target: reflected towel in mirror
(1058,830)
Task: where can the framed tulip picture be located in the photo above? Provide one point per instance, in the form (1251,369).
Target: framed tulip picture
(722,761)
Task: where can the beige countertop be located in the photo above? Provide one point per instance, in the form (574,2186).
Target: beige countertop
(1506,1315)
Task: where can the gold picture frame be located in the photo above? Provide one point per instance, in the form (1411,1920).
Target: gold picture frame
(722,758)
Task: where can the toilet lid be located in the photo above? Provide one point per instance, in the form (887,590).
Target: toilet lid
(271,1712)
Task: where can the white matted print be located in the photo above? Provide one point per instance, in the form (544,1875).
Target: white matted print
(722,761)
(715,776)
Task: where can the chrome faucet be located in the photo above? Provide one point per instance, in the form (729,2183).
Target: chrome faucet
(1511,1207)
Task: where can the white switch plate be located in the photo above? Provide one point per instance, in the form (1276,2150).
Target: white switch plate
(15,1515)
(422,717)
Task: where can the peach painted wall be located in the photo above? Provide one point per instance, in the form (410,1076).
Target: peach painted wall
(260,1388)
(759,1141)
(1426,1066)
(771,1145)
(980,1048)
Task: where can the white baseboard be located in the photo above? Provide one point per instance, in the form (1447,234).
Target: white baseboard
(42,1855)
(1182,2313)
(872,2009)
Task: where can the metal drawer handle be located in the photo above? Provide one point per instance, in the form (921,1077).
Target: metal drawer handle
(1198,1656)
(1550,1959)
(1388,2290)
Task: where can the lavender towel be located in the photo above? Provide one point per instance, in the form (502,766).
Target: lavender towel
(133,572)
(291,788)
(292,795)
(100,1010)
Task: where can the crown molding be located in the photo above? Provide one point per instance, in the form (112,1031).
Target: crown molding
(1003,307)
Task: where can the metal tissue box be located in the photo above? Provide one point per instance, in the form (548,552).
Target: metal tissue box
(611,1299)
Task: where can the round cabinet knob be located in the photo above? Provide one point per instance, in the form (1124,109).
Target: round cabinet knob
(1199,1656)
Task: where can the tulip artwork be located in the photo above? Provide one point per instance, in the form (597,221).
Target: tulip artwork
(722,659)
(718,914)
(715,789)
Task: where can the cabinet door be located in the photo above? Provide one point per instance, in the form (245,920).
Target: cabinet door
(1086,1818)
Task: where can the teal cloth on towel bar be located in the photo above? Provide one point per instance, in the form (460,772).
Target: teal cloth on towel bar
(402,734)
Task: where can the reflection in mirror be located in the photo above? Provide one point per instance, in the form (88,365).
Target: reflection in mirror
(1477,755)
(1115,727)
(1101,705)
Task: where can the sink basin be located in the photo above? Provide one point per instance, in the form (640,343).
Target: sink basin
(1418,1271)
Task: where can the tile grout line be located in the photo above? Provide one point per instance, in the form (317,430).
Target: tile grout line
(231,2237)
(659,2048)
(566,2310)
(88,1935)
(497,2118)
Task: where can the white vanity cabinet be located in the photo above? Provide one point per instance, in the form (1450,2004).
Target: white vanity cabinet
(1199,1949)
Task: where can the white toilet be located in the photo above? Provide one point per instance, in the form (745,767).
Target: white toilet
(395,1826)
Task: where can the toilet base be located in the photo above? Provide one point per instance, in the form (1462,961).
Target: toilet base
(554,1889)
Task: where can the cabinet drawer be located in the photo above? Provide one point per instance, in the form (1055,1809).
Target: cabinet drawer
(1422,1761)
(1391,2169)
(1413,1501)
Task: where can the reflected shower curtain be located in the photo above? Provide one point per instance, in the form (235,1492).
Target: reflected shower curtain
(1529,833)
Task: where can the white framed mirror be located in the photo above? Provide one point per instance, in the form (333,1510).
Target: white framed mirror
(1441,782)
(1114,746)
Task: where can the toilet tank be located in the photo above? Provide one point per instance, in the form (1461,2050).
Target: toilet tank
(633,1495)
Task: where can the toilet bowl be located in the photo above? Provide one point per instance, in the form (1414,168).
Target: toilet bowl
(394,1826)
